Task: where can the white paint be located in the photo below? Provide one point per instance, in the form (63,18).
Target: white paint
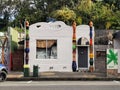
(84,31)
(29,82)
(116,81)
(117,46)
(118,60)
(63,34)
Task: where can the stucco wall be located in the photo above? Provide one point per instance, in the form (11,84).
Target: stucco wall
(118,60)
(84,31)
(63,35)
(117,46)
(116,43)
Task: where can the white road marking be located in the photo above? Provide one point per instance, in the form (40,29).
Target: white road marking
(29,81)
(116,81)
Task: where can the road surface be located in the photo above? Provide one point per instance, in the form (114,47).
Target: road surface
(60,85)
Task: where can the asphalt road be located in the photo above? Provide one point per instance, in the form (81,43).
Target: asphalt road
(60,85)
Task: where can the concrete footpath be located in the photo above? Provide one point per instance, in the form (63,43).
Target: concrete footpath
(60,76)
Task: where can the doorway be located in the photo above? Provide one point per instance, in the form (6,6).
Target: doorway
(83,57)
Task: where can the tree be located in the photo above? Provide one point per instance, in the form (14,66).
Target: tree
(83,10)
(101,15)
(4,15)
(104,14)
(7,12)
(64,14)
(98,12)
(113,2)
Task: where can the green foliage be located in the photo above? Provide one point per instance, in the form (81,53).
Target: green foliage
(64,14)
(3,29)
(105,14)
(84,9)
(78,20)
(108,25)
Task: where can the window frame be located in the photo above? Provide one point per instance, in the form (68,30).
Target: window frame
(46,49)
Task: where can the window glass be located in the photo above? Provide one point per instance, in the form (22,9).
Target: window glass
(46,49)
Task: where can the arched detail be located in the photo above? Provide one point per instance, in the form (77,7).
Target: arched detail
(83,41)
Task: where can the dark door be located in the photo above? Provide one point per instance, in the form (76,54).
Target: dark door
(82,57)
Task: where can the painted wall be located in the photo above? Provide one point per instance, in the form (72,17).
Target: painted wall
(84,31)
(117,46)
(118,60)
(14,38)
(63,35)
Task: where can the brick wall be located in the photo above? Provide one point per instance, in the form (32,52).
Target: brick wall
(18,58)
(100,65)
(100,58)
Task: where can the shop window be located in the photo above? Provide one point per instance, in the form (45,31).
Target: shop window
(46,49)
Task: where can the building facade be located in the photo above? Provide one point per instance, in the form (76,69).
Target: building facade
(52,46)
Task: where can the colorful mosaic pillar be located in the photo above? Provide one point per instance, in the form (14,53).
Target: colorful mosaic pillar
(74,66)
(91,54)
(26,60)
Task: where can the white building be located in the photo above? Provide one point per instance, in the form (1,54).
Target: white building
(51,46)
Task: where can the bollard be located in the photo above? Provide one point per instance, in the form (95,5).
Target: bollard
(35,70)
(26,71)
